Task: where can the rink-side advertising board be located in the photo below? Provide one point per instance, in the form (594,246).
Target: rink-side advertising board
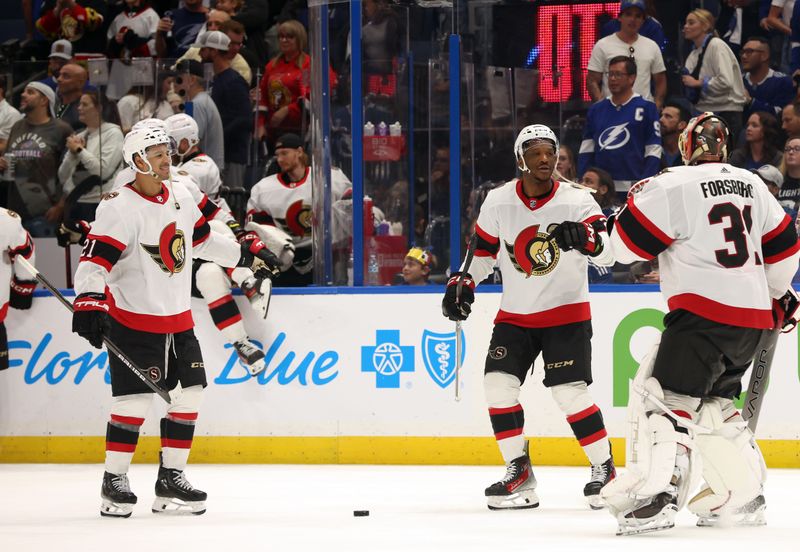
(350,378)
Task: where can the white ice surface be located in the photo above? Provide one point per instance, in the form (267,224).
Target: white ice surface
(310,508)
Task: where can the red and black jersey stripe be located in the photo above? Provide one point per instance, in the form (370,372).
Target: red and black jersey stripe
(260,217)
(201,231)
(639,233)
(102,250)
(781,242)
(507,422)
(208,208)
(26,249)
(587,425)
(486,245)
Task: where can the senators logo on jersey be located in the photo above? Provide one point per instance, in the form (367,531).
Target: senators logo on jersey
(532,253)
(298,219)
(170,252)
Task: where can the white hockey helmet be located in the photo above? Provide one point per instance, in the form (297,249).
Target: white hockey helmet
(138,141)
(150,123)
(532,135)
(182,126)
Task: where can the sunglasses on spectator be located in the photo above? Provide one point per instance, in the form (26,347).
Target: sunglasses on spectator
(792,149)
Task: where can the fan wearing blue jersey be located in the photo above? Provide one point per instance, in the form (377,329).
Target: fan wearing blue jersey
(622,134)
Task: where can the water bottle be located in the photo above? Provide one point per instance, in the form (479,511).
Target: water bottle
(369,129)
(373,270)
(383,129)
(369,219)
(350,268)
(395,129)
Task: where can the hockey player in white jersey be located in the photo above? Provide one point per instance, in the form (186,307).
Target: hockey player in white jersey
(543,230)
(14,242)
(726,251)
(134,285)
(190,158)
(279,209)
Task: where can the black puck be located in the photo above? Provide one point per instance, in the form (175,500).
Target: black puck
(360,513)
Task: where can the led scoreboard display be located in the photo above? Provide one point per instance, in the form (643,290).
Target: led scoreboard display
(565,35)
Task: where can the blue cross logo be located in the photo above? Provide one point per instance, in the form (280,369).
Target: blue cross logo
(387,359)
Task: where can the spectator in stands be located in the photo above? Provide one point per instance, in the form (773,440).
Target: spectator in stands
(216,21)
(622,132)
(712,78)
(189,84)
(380,43)
(789,194)
(790,123)
(417,267)
(604,192)
(651,28)
(79,22)
(765,89)
(566,163)
(237,52)
(37,143)
(674,117)
(772,177)
(132,32)
(255,16)
(285,85)
(178,30)
(779,20)
(93,157)
(8,114)
(628,42)
(71,81)
(762,143)
(231,94)
(138,104)
(60,55)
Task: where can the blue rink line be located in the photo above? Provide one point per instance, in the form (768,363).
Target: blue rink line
(400,290)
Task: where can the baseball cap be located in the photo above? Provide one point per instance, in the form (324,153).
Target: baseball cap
(213,39)
(289,140)
(61,49)
(48,93)
(192,67)
(770,174)
(625,4)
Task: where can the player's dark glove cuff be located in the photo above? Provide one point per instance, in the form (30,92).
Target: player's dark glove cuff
(21,296)
(458,308)
(579,236)
(90,317)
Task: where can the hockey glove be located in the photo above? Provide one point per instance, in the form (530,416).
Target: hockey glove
(72,231)
(783,310)
(236,228)
(579,236)
(21,293)
(259,259)
(458,308)
(90,317)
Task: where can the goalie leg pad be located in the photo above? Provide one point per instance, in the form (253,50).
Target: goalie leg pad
(733,467)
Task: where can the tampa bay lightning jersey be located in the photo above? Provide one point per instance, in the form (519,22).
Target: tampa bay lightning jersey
(624,140)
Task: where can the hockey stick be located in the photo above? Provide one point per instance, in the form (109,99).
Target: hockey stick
(459,343)
(68,265)
(141,374)
(762,363)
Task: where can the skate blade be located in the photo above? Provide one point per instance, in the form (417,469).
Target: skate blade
(115,509)
(517,501)
(662,521)
(176,506)
(754,519)
(256,368)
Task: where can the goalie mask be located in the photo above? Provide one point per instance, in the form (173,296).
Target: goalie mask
(705,136)
(183,127)
(533,135)
(138,141)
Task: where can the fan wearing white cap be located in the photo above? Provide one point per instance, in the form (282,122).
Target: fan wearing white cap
(540,230)
(134,284)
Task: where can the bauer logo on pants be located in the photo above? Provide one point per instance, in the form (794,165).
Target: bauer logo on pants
(439,355)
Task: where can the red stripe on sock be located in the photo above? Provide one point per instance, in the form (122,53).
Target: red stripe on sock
(230,321)
(506,434)
(593,438)
(120,447)
(582,414)
(682,414)
(220,301)
(191,416)
(507,410)
(130,420)
(176,443)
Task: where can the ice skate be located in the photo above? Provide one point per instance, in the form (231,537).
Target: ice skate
(251,356)
(656,514)
(601,475)
(175,495)
(118,500)
(517,490)
(749,515)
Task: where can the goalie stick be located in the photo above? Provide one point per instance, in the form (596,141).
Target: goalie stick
(459,341)
(112,347)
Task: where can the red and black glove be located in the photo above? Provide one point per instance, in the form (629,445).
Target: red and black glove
(580,236)
(783,310)
(258,258)
(21,293)
(72,231)
(90,317)
(458,308)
